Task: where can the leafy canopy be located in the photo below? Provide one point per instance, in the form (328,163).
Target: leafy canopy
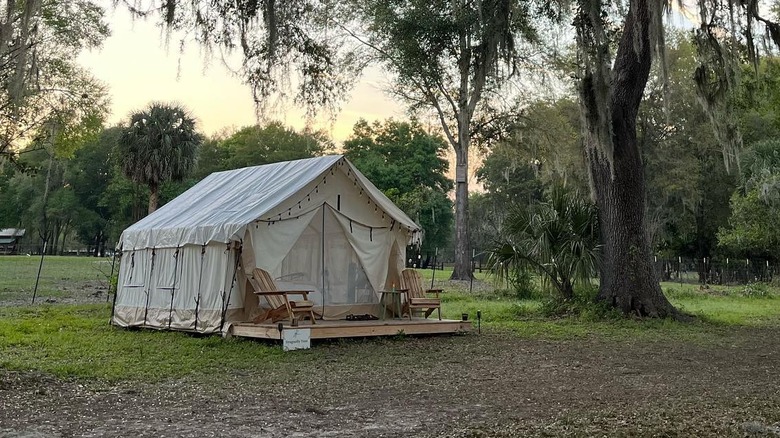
(408,165)
(557,238)
(159,144)
(41,84)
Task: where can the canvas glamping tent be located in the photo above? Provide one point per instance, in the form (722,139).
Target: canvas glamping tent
(316,224)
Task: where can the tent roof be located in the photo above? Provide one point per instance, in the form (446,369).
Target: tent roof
(222,205)
(12,232)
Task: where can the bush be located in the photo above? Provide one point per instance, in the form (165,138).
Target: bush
(557,238)
(756,290)
(584,306)
(524,286)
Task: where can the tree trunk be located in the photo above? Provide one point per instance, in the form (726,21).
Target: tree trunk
(567,290)
(154,197)
(628,280)
(462,268)
(55,233)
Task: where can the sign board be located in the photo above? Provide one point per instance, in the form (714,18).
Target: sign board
(296,339)
(461,173)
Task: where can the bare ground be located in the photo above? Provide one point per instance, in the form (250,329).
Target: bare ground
(485,385)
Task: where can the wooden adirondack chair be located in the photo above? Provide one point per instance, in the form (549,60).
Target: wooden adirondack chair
(416,298)
(280,305)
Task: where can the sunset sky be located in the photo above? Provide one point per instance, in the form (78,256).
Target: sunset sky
(139,69)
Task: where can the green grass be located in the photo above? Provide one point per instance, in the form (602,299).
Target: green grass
(61,277)
(716,310)
(728,305)
(77,341)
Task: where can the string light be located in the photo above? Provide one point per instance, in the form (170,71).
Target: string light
(271,221)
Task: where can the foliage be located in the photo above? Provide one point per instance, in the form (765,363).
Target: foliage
(757,101)
(508,178)
(544,142)
(408,164)
(256,145)
(89,173)
(756,205)
(757,290)
(688,186)
(486,219)
(583,306)
(524,285)
(556,238)
(446,58)
(44,94)
(159,144)
(541,150)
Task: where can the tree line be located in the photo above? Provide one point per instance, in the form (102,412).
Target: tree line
(124,172)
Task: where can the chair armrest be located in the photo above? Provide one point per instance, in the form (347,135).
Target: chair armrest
(434,291)
(303,293)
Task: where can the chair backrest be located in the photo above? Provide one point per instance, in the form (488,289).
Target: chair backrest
(262,281)
(410,279)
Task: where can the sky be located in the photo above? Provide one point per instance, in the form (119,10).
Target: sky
(138,69)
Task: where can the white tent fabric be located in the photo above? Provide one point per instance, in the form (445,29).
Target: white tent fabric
(219,208)
(317,224)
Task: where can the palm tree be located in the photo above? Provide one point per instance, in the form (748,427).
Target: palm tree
(557,238)
(159,145)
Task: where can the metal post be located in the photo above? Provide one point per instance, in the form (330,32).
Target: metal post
(433,274)
(40,266)
(111,276)
(471,277)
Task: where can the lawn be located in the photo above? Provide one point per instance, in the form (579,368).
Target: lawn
(527,374)
(76,340)
(63,279)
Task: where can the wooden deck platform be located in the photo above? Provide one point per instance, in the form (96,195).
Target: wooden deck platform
(352,329)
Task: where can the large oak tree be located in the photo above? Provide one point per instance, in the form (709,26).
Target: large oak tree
(611,89)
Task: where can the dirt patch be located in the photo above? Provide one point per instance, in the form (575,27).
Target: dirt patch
(65,292)
(457,386)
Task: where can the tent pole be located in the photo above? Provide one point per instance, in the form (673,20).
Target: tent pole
(148,289)
(200,281)
(173,291)
(226,295)
(322,255)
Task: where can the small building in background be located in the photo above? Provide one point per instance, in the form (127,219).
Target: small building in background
(9,240)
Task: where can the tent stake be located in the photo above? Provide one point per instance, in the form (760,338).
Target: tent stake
(40,266)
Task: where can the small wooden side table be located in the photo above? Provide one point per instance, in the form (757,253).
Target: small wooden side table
(394,296)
